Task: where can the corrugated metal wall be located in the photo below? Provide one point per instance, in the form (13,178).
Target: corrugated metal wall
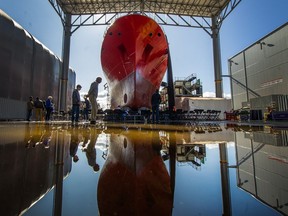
(12,109)
(263,68)
(278,102)
(27,68)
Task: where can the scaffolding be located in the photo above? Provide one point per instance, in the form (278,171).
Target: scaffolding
(183,87)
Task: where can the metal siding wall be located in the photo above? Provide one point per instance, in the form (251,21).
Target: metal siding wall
(5,62)
(12,109)
(21,75)
(46,74)
(6,29)
(237,72)
(266,67)
(279,103)
(27,69)
(282,102)
(286,102)
(38,72)
(284,137)
(266,138)
(15,81)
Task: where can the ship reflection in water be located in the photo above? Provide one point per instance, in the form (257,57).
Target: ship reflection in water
(134,179)
(131,169)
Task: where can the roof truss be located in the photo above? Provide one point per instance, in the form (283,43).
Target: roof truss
(184,13)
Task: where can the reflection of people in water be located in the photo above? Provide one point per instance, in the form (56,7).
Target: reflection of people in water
(91,151)
(28,136)
(33,137)
(74,145)
(156,143)
(46,139)
(86,137)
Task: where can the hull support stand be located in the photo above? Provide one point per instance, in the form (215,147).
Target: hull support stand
(171,93)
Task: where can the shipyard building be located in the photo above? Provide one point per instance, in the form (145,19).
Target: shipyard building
(259,74)
(189,98)
(258,78)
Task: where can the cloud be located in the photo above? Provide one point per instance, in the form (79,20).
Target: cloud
(227,96)
(209,94)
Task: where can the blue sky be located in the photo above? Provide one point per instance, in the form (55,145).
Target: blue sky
(190,48)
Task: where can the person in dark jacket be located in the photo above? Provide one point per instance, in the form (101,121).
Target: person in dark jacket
(49,108)
(155,102)
(74,143)
(30,106)
(86,108)
(76,101)
(39,109)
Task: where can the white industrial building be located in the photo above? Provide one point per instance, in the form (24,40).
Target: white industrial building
(194,103)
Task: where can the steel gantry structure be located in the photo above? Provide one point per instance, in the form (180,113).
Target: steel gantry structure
(206,14)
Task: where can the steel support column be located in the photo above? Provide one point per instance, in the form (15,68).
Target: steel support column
(217,58)
(172,161)
(59,175)
(225,183)
(171,93)
(65,63)
(231,84)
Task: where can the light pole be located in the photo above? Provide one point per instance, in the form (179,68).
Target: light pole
(265,44)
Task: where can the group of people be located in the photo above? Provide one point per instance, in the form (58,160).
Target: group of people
(92,95)
(40,107)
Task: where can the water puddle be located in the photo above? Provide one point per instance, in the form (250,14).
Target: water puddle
(137,169)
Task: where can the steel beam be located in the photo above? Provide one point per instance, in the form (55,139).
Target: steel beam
(65,63)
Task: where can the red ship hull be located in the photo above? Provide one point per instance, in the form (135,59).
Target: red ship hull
(134,179)
(134,60)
